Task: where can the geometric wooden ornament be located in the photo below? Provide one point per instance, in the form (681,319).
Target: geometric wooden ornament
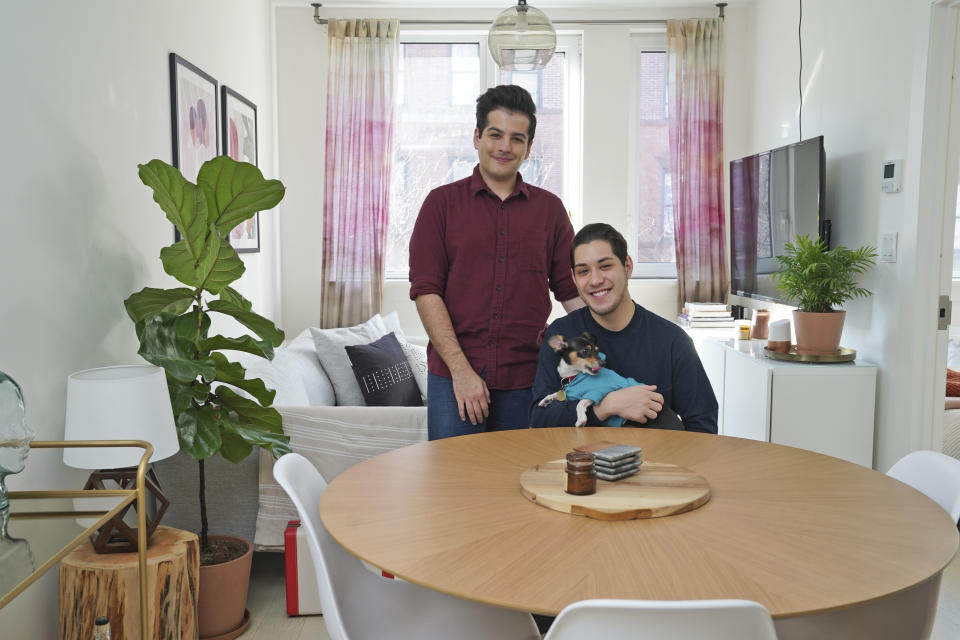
(115,535)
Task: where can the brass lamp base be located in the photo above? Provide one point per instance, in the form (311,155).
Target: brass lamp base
(116,536)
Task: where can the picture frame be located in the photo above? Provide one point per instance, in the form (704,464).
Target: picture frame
(239,122)
(194,112)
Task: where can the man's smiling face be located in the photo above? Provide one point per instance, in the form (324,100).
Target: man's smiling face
(600,277)
(503,144)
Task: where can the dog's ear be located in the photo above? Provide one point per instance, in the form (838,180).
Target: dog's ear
(589,337)
(557,342)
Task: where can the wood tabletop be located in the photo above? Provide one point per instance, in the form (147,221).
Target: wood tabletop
(797,531)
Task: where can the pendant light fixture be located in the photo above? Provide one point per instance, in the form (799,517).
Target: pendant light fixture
(522,38)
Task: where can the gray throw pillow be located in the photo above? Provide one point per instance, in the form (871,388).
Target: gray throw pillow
(333,358)
(383,373)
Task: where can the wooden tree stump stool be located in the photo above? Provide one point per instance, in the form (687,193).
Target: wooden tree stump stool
(93,584)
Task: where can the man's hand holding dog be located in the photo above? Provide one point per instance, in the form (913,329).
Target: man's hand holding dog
(637,404)
(473,397)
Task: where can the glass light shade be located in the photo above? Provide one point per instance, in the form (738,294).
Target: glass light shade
(118,403)
(522,38)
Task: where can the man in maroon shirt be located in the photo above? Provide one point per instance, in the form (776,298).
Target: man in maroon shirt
(484,254)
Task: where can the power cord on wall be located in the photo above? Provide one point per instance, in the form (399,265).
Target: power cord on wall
(800,73)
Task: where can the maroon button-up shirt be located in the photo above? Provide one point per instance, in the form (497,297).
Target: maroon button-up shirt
(493,262)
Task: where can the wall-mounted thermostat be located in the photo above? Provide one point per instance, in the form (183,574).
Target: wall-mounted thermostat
(892,176)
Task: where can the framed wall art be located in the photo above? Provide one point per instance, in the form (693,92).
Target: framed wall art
(193,105)
(240,143)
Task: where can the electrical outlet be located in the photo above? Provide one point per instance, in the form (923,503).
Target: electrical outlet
(888,247)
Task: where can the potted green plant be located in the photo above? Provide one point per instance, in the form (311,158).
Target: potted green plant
(173,327)
(819,280)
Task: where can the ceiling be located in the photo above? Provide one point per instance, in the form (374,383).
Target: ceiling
(544,4)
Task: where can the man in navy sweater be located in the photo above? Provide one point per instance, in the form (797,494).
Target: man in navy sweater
(637,344)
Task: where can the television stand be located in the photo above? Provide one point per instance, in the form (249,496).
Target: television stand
(827,408)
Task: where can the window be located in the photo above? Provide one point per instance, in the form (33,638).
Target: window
(650,230)
(440,77)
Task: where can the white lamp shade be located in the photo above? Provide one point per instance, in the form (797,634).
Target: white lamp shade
(118,403)
(522,40)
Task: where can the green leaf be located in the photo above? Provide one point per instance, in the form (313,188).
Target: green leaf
(193,327)
(199,432)
(149,301)
(234,374)
(221,266)
(256,323)
(234,448)
(278,444)
(183,202)
(236,191)
(160,345)
(183,395)
(260,348)
(231,295)
(249,411)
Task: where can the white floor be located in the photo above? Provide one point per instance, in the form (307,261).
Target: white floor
(269,620)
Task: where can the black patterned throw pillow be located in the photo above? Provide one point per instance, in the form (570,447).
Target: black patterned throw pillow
(384,374)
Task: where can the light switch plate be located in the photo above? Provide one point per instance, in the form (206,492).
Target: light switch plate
(888,247)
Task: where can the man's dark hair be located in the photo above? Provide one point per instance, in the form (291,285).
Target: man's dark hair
(509,97)
(601,231)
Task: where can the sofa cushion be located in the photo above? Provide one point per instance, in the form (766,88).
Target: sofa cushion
(304,382)
(330,350)
(383,373)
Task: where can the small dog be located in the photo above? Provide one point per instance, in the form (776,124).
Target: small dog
(581,360)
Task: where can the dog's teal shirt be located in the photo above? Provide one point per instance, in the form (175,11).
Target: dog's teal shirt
(595,387)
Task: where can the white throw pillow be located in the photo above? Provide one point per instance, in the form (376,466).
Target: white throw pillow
(417,357)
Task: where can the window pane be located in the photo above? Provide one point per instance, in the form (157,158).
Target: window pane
(433,141)
(544,167)
(655,198)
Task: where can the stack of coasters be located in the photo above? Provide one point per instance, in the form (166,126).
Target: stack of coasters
(616,462)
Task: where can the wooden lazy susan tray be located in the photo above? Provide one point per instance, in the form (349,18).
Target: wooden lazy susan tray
(659,489)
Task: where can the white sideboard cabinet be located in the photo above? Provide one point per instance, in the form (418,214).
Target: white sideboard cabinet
(827,408)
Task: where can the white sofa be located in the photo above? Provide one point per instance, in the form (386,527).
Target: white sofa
(243,499)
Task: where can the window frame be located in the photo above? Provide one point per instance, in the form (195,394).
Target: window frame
(570,44)
(649,39)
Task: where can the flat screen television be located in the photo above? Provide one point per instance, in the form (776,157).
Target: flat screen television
(774,196)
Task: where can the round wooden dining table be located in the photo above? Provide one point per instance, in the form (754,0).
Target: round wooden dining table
(811,537)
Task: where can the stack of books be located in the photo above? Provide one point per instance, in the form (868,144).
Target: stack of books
(706,314)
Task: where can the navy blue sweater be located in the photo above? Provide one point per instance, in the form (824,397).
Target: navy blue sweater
(649,349)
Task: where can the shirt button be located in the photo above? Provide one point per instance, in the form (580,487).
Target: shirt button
(489,343)
(499,288)
(499,259)
(503,232)
(496,315)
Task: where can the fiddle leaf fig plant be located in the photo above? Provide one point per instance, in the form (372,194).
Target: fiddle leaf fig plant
(821,279)
(173,325)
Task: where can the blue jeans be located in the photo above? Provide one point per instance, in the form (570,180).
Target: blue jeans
(509,409)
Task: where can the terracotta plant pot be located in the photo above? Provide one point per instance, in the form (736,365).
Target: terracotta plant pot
(818,333)
(222,602)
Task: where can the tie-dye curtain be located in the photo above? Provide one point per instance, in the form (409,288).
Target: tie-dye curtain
(361,85)
(695,82)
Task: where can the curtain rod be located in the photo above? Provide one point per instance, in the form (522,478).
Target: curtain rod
(316,18)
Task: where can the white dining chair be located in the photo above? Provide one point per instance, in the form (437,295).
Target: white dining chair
(934,474)
(359,604)
(664,620)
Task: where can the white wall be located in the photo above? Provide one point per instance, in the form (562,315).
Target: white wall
(302,54)
(864,74)
(85,99)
